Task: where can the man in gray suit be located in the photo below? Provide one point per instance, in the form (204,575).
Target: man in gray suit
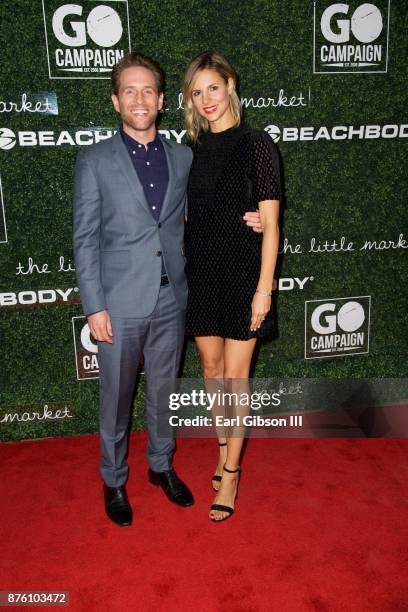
(129,203)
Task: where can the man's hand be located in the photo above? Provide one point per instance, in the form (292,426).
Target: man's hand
(253,219)
(100,325)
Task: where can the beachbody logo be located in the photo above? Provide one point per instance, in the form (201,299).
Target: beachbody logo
(50,138)
(350,36)
(337,327)
(39,297)
(85,39)
(289,284)
(3,228)
(86,350)
(337,132)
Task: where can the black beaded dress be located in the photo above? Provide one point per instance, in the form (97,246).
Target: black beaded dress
(232,171)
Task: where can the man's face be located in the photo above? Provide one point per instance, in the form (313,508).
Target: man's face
(138,100)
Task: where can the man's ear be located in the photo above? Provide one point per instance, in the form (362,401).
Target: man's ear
(115,102)
(161,101)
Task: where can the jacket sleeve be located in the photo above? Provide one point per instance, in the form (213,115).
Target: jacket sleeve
(86,226)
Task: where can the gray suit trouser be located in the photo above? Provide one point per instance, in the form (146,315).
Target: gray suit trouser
(160,338)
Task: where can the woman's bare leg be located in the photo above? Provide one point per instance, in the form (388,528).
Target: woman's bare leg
(211,349)
(237,362)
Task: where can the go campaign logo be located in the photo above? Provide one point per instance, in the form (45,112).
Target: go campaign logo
(337,132)
(350,36)
(86,350)
(85,39)
(337,327)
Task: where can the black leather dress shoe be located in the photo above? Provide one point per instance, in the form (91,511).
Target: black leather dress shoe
(117,505)
(175,489)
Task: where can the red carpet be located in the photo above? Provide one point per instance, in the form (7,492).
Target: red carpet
(320,525)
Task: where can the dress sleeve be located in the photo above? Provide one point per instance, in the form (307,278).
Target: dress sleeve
(265,169)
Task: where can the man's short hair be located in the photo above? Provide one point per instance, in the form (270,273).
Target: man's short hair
(135,59)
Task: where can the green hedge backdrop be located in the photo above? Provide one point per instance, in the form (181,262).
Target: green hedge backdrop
(354,188)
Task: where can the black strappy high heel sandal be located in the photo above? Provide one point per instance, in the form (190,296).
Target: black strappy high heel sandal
(221,507)
(217,477)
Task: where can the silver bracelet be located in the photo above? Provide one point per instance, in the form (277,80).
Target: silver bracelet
(263,293)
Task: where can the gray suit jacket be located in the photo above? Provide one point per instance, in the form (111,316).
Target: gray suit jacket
(118,245)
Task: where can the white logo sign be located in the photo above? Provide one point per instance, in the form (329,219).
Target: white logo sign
(7,139)
(337,132)
(85,39)
(274,132)
(80,138)
(45,103)
(86,350)
(39,297)
(49,138)
(289,284)
(47,412)
(3,228)
(349,38)
(337,327)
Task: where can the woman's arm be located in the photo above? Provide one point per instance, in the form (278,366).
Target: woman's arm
(261,304)
(266,191)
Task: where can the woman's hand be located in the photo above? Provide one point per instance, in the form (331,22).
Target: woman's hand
(260,307)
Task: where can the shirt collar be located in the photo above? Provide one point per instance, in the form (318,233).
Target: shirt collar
(132,142)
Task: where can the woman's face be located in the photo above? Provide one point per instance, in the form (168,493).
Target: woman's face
(210,95)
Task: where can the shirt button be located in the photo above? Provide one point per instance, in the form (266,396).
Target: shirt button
(151,185)
(133,152)
(155,148)
(153,208)
(140,146)
(158,253)
(147,163)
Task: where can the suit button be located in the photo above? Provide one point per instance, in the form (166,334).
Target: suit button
(159,225)
(158,253)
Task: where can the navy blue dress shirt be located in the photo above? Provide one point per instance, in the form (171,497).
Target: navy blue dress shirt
(152,170)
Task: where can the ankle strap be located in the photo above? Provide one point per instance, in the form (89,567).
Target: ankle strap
(222,444)
(231,471)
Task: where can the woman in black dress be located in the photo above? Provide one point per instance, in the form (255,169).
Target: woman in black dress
(230,268)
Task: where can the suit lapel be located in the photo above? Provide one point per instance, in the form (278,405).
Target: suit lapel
(124,162)
(172,166)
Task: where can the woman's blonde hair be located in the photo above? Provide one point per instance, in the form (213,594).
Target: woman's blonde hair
(212,60)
